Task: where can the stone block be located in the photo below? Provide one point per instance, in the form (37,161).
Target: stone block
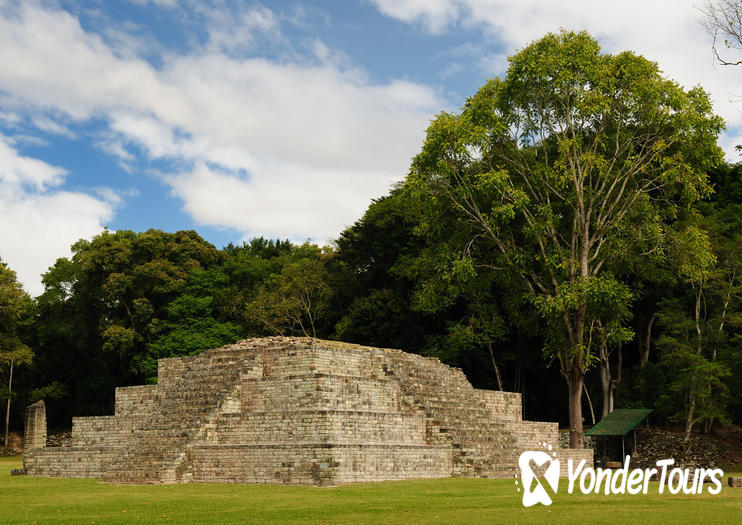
(34,435)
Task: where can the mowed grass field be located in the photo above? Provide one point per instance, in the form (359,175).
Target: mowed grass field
(459,500)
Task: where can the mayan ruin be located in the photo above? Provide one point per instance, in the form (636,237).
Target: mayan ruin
(301,411)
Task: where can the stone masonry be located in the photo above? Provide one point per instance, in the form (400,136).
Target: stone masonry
(300,410)
(34,435)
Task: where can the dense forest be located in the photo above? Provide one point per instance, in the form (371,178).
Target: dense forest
(587,258)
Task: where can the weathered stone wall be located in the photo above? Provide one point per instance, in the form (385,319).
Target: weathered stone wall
(506,406)
(320,426)
(316,464)
(298,410)
(137,400)
(35,426)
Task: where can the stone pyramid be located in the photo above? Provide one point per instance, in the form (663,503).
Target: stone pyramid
(300,410)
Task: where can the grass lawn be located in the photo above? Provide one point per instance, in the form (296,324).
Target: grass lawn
(459,500)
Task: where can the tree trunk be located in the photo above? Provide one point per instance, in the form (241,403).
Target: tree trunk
(590,404)
(724,313)
(494,365)
(689,420)
(607,397)
(606,382)
(644,348)
(7,410)
(575,378)
(699,347)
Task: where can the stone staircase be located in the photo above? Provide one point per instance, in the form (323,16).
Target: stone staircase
(155,452)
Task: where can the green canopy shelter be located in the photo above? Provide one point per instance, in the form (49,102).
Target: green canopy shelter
(619,423)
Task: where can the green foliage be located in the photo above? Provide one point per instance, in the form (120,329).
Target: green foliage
(370,318)
(701,319)
(14,301)
(13,352)
(190,325)
(54,390)
(564,169)
(562,176)
(103,307)
(380,260)
(126,299)
(295,300)
(696,378)
(644,386)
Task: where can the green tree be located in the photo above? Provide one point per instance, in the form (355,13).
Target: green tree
(381,262)
(295,300)
(699,319)
(13,352)
(372,292)
(104,306)
(558,176)
(192,321)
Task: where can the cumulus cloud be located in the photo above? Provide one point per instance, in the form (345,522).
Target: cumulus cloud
(274,206)
(38,221)
(666,31)
(294,148)
(435,15)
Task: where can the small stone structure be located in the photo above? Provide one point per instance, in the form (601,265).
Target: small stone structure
(300,410)
(34,435)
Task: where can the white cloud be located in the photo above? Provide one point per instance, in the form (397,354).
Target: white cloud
(285,124)
(39,222)
(163,3)
(231,32)
(315,199)
(48,125)
(30,140)
(18,173)
(10,119)
(435,15)
(115,197)
(295,148)
(666,31)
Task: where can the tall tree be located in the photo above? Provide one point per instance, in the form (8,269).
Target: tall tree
(13,352)
(559,175)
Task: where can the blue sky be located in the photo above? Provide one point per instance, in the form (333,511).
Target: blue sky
(281,118)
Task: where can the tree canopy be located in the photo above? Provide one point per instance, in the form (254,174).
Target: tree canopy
(563,175)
